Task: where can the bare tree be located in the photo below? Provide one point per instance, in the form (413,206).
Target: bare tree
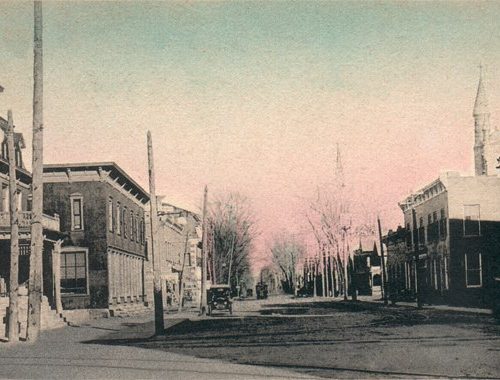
(286,252)
(232,229)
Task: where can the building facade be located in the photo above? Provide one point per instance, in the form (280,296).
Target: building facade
(180,240)
(366,269)
(104,261)
(51,233)
(449,248)
(453,226)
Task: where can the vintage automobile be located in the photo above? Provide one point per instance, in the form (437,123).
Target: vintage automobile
(261,291)
(219,298)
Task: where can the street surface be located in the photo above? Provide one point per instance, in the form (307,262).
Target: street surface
(275,338)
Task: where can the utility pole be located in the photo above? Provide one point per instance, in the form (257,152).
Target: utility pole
(346,257)
(315,272)
(12,323)
(416,253)
(203,296)
(158,296)
(35,273)
(384,275)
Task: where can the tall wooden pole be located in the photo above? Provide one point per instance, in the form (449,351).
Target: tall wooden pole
(35,274)
(416,252)
(203,295)
(12,323)
(157,291)
(384,274)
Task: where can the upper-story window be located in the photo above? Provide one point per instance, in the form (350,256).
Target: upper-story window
(111,215)
(434,216)
(429,219)
(118,219)
(143,234)
(137,229)
(29,203)
(5,198)
(76,212)
(472,224)
(124,221)
(132,225)
(19,199)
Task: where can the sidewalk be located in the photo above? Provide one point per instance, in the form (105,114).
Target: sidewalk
(472,310)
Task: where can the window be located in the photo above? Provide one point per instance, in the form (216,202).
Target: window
(124,221)
(473,273)
(471,220)
(74,272)
(111,215)
(429,219)
(118,219)
(132,225)
(143,234)
(137,229)
(434,216)
(76,212)
(19,199)
(443,215)
(5,199)
(29,203)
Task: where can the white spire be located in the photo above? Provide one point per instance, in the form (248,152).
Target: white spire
(481,104)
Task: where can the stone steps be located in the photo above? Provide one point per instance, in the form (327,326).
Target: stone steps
(49,318)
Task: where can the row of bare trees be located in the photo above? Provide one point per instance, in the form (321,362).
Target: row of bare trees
(231,232)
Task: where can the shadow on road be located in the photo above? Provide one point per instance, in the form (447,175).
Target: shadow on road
(296,335)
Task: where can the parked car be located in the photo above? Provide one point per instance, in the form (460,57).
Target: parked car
(219,298)
(261,291)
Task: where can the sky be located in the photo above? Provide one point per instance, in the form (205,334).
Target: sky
(253,97)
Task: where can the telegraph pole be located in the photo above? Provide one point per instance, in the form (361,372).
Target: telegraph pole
(384,275)
(203,296)
(158,296)
(12,323)
(416,253)
(35,273)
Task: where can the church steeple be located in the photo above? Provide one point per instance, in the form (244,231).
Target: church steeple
(481,104)
(481,127)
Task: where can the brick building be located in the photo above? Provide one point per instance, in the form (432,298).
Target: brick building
(449,248)
(104,261)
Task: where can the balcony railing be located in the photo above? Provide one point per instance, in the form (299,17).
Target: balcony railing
(51,223)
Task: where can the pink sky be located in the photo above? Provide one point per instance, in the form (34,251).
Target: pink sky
(253,98)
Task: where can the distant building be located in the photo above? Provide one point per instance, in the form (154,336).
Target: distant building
(104,261)
(366,269)
(180,242)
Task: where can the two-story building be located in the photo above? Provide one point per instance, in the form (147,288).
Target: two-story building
(455,223)
(51,233)
(451,237)
(104,261)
